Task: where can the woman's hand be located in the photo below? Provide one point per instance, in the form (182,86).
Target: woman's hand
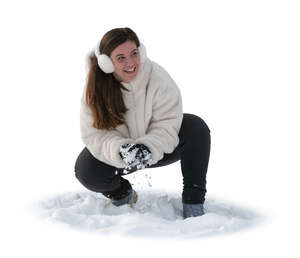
(135,156)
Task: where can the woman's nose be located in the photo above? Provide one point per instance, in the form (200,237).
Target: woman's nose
(129,62)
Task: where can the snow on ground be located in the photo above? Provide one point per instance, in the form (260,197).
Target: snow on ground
(156,214)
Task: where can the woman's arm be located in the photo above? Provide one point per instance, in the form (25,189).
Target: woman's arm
(167,114)
(103,144)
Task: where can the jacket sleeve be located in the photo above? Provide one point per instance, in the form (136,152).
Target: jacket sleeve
(162,134)
(103,144)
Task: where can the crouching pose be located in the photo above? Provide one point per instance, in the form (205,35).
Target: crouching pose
(131,118)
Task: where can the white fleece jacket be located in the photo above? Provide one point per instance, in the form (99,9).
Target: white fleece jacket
(154,117)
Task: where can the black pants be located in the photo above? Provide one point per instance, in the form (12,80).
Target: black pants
(193,152)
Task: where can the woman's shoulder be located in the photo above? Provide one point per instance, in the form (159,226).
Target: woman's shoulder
(159,71)
(161,77)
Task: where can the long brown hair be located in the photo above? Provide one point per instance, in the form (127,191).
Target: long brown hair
(103,91)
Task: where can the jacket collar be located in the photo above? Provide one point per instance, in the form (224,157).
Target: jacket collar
(141,79)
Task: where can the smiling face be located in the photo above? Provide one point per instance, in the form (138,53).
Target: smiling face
(126,61)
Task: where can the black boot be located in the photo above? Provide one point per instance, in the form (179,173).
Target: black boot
(123,195)
(193,197)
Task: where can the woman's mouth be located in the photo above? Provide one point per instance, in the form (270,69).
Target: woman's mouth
(132,70)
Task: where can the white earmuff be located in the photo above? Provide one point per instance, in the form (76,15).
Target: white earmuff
(106,64)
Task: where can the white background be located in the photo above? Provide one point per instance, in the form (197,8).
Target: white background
(237,65)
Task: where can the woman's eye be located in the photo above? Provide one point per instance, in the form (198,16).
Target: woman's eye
(122,57)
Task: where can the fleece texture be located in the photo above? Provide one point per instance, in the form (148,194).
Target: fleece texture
(154,117)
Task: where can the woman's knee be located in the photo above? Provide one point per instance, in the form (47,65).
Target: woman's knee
(83,160)
(86,165)
(94,174)
(195,124)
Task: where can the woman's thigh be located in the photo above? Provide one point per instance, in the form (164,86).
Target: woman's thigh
(191,126)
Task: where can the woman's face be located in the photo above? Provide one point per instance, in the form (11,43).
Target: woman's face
(126,58)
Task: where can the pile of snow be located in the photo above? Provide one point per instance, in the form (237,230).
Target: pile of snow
(156,214)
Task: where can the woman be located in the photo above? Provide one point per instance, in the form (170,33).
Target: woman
(131,118)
